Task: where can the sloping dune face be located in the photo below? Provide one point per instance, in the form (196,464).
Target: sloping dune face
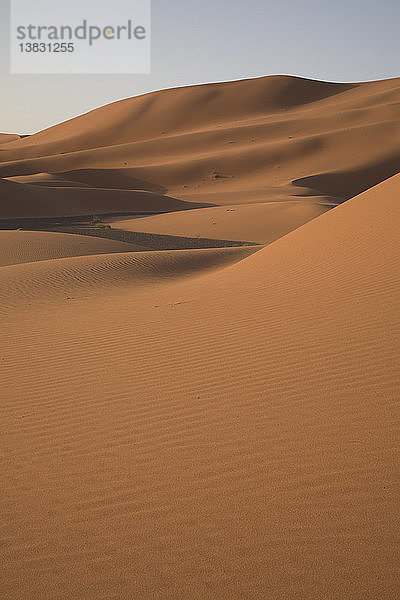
(213,422)
(8,137)
(257,141)
(27,201)
(31,246)
(201,429)
(262,223)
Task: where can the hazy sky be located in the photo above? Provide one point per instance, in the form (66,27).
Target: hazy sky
(196,41)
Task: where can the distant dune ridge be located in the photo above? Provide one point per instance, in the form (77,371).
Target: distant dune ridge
(204,423)
(8,137)
(253,141)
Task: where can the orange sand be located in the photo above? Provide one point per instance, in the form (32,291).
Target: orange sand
(217,423)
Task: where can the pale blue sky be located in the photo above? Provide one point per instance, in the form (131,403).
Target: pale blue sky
(197,41)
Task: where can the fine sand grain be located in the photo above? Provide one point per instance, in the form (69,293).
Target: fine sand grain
(216,423)
(31,246)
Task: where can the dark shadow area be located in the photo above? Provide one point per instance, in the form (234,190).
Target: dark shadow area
(93,226)
(347,184)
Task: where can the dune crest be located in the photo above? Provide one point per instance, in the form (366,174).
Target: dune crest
(205,423)
(270,139)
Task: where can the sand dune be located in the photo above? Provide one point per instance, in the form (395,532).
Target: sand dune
(272,139)
(47,179)
(31,201)
(8,137)
(231,435)
(37,283)
(205,423)
(229,143)
(182,108)
(262,223)
(31,246)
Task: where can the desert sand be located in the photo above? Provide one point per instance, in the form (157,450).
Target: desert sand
(8,137)
(208,422)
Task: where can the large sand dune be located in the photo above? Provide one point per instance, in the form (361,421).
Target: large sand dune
(218,423)
(244,141)
(8,137)
(273,139)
